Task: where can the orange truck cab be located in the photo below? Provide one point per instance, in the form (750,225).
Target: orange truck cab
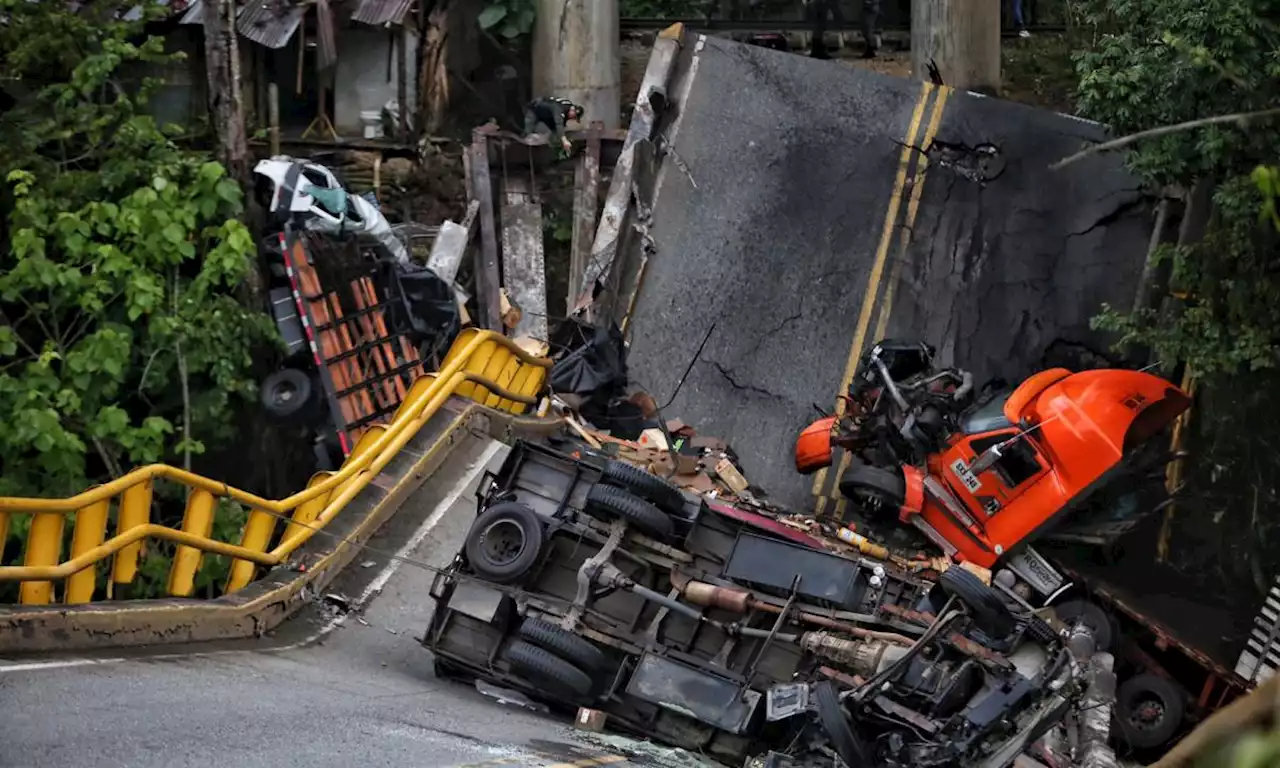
(1021,461)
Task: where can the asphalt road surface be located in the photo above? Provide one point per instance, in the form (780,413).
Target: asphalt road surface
(800,209)
(364,694)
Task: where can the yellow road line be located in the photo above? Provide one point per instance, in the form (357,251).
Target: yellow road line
(606,760)
(877,269)
(904,243)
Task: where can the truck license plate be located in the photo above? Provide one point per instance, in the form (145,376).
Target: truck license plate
(970,480)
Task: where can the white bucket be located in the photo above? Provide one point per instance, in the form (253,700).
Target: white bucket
(372,122)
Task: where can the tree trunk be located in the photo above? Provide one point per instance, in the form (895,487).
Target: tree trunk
(226,110)
(961,38)
(226,107)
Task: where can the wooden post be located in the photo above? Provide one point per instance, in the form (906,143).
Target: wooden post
(586,205)
(402,80)
(961,38)
(273,117)
(488,279)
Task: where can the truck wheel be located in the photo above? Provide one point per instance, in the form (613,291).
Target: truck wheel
(574,649)
(543,668)
(285,393)
(504,542)
(985,605)
(649,487)
(836,723)
(616,502)
(1092,617)
(881,488)
(1149,710)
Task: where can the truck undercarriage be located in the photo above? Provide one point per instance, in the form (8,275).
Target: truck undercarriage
(588,583)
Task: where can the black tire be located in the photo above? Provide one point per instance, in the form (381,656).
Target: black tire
(985,605)
(1149,711)
(616,502)
(504,542)
(544,668)
(1091,616)
(649,487)
(286,393)
(886,489)
(835,722)
(575,649)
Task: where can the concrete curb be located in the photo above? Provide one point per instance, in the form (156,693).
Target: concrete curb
(272,599)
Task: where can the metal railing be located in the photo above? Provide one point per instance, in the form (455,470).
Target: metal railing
(482,365)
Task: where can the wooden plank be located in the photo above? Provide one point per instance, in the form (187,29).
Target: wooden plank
(586,206)
(523,264)
(488,279)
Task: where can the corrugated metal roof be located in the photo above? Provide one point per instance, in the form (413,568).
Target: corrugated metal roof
(381,12)
(270,22)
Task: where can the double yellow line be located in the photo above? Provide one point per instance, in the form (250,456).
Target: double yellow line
(912,165)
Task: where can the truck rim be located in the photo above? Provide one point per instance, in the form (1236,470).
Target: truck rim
(503,541)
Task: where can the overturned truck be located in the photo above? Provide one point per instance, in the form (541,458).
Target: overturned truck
(586,582)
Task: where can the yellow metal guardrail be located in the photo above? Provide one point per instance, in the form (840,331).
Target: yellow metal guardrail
(482,365)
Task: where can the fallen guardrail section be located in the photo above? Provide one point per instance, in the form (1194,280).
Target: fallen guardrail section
(499,380)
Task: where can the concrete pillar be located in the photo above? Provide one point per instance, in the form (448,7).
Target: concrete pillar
(962,38)
(576,54)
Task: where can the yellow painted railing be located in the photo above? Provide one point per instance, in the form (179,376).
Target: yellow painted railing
(482,365)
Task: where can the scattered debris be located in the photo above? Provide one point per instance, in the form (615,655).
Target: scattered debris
(507,696)
(339,601)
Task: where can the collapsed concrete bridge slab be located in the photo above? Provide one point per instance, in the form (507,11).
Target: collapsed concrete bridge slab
(807,209)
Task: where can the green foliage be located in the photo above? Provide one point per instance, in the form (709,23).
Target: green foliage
(1230,316)
(509,18)
(1164,63)
(121,257)
(1154,64)
(663,9)
(1267,179)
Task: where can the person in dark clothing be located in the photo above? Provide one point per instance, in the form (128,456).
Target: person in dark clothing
(551,113)
(819,11)
(1019,20)
(870,35)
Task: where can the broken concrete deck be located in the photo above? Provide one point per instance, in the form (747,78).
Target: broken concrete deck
(796,213)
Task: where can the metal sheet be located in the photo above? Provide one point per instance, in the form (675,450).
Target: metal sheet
(381,12)
(694,693)
(769,563)
(476,600)
(269,22)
